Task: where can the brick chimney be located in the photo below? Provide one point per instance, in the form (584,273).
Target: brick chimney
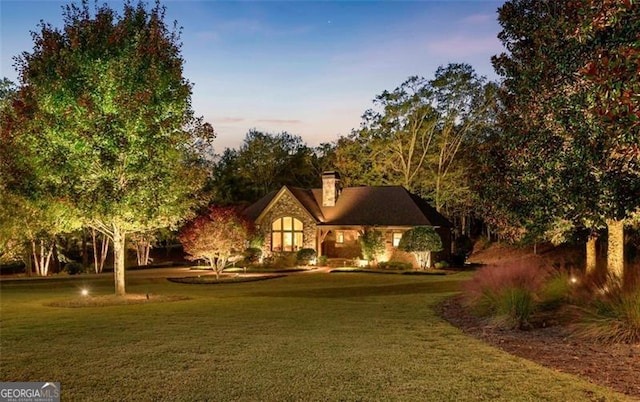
(330,188)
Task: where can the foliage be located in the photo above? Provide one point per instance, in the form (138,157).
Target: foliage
(215,236)
(73,268)
(322,261)
(612,316)
(415,136)
(441,265)
(372,244)
(395,265)
(283,259)
(556,291)
(252,255)
(421,241)
(508,295)
(305,255)
(106,123)
(568,144)
(265,162)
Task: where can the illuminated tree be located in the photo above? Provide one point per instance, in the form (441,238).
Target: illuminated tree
(421,241)
(570,120)
(109,127)
(215,236)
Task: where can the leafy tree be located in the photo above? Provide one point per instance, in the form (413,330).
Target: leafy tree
(570,131)
(415,135)
(421,241)
(107,122)
(215,236)
(372,244)
(265,162)
(30,219)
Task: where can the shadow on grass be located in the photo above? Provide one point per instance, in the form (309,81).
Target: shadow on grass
(363,291)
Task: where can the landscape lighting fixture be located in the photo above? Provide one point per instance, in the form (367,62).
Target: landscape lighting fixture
(84,292)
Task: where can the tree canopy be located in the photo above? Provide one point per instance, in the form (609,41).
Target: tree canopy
(106,121)
(568,145)
(421,241)
(265,162)
(215,236)
(416,135)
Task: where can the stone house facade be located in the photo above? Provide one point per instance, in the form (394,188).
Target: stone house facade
(331,219)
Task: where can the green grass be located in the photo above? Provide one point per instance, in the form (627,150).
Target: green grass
(305,337)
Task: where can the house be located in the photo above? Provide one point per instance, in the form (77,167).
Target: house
(330,219)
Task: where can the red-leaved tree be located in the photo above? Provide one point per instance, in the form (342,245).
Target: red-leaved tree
(215,236)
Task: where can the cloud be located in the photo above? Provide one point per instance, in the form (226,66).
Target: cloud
(461,46)
(223,120)
(278,121)
(478,18)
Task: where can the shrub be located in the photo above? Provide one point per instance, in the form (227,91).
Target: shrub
(305,255)
(396,265)
(73,268)
(283,259)
(252,255)
(372,244)
(515,307)
(555,292)
(441,264)
(507,295)
(612,316)
(322,260)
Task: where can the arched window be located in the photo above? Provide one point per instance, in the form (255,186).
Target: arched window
(286,234)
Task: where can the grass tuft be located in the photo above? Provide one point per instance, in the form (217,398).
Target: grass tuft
(612,316)
(508,296)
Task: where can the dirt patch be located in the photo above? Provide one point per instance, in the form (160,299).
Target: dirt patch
(613,365)
(113,300)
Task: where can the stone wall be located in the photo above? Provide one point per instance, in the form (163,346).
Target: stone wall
(288,206)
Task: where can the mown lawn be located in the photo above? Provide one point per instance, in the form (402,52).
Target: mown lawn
(305,337)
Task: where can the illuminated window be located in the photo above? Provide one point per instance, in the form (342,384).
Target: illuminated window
(286,234)
(396,239)
(340,237)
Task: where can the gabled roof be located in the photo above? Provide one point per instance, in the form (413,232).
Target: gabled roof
(362,206)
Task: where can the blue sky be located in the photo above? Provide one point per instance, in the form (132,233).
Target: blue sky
(309,68)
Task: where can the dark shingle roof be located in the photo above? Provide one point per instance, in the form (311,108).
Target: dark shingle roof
(363,206)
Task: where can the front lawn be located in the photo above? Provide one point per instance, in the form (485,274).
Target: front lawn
(311,336)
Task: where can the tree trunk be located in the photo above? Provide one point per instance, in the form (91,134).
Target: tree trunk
(591,265)
(85,251)
(615,249)
(95,251)
(535,248)
(119,251)
(428,259)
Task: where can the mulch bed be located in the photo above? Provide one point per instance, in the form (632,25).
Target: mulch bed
(616,366)
(212,280)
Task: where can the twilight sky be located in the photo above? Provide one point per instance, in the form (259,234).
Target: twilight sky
(307,67)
